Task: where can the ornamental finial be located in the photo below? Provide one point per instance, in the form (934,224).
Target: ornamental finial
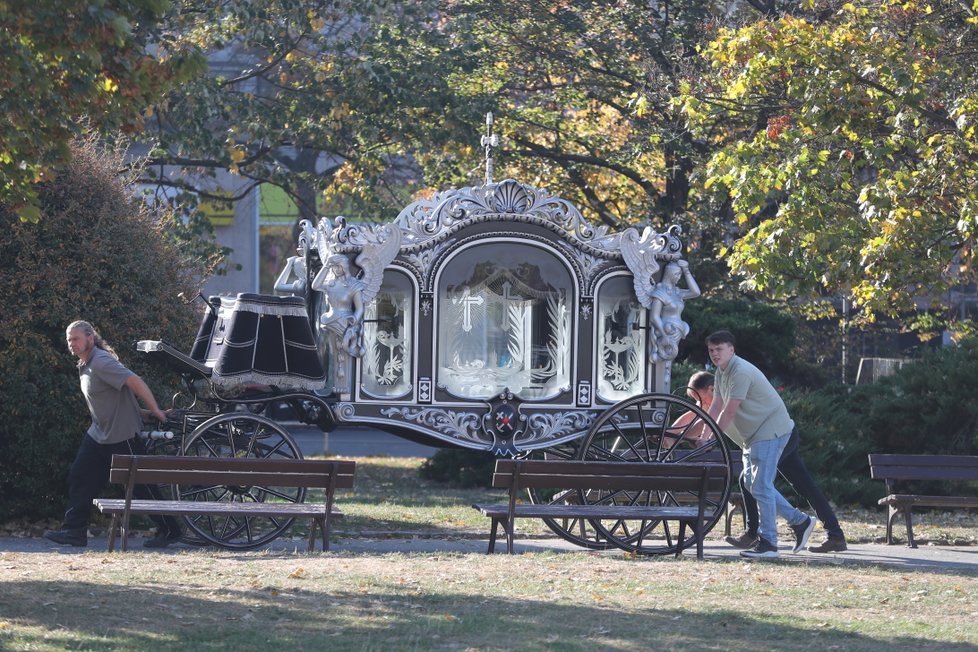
(489,141)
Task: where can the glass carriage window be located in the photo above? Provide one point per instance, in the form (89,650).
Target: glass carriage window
(388,336)
(504,322)
(622,358)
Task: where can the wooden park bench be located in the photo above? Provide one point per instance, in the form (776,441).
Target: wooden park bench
(130,470)
(612,479)
(735,500)
(897,468)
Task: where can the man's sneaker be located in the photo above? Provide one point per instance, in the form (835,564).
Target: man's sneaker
(832,544)
(73,537)
(763,549)
(744,541)
(162,539)
(803,531)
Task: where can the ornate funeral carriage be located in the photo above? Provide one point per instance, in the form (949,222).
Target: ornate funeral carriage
(492,317)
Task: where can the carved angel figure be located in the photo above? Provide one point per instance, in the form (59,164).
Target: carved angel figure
(295,266)
(346,296)
(665,300)
(668,301)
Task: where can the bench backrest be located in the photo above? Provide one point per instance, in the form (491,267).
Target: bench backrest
(632,476)
(922,467)
(165,469)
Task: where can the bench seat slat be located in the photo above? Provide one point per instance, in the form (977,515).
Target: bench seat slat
(608,482)
(630,512)
(924,473)
(185,508)
(922,461)
(929,501)
(231,478)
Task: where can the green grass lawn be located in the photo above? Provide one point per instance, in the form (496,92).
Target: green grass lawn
(204,599)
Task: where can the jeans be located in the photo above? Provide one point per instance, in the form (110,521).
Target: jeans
(792,468)
(90,473)
(760,466)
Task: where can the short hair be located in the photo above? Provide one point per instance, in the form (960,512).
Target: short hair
(700,380)
(721,337)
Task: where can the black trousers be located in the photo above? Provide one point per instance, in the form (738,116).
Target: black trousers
(90,473)
(792,468)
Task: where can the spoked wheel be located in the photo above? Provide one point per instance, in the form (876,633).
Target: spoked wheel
(240,434)
(580,532)
(654,428)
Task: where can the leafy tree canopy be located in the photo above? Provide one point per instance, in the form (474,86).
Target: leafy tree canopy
(304,95)
(72,64)
(852,163)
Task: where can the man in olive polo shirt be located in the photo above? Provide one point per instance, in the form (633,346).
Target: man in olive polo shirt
(750,412)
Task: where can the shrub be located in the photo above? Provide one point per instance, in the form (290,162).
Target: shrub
(926,408)
(765,333)
(461,467)
(96,254)
(835,440)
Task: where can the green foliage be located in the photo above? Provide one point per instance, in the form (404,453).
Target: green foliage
(95,255)
(928,407)
(681,373)
(460,467)
(835,439)
(852,163)
(308,97)
(765,333)
(71,65)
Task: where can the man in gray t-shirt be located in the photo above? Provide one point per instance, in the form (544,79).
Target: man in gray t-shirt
(110,390)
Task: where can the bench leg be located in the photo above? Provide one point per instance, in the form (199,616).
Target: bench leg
(734,505)
(907,517)
(697,529)
(324,527)
(112,529)
(891,514)
(682,538)
(492,536)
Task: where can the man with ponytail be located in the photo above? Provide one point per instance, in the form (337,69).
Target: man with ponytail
(111,392)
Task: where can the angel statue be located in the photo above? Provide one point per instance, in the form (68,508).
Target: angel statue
(346,296)
(665,300)
(295,266)
(667,303)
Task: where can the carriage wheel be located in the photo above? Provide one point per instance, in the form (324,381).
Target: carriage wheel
(580,532)
(240,434)
(640,430)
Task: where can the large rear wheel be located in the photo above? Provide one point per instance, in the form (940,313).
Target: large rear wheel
(579,531)
(245,435)
(654,428)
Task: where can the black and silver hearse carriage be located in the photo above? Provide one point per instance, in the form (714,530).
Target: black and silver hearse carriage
(493,317)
